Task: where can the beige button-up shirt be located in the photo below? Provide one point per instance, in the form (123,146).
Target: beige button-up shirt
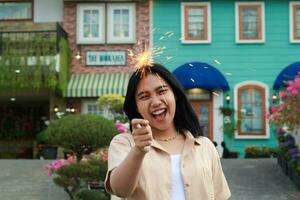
(201,169)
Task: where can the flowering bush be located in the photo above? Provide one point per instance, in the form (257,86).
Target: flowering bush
(288,112)
(75,176)
(50,168)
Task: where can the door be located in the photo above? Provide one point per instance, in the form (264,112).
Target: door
(204,113)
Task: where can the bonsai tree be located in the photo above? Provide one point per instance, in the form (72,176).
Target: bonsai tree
(80,134)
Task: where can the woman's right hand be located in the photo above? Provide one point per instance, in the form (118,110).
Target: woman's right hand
(142,135)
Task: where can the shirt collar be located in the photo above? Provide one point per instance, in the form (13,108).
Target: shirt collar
(189,140)
(190,137)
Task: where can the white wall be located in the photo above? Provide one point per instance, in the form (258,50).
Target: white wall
(218,120)
(48,11)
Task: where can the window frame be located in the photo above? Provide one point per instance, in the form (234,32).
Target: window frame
(79,33)
(265,134)
(239,6)
(93,102)
(207,23)
(132,23)
(293,22)
(25,19)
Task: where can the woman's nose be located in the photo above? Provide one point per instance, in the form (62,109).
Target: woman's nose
(156,101)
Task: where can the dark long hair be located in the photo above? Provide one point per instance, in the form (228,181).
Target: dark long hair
(185,117)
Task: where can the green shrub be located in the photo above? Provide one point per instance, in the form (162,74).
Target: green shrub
(257,152)
(113,102)
(91,195)
(81,133)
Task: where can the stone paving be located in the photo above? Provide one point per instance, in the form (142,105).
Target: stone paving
(258,179)
(249,179)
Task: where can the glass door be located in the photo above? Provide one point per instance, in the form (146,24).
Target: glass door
(203,110)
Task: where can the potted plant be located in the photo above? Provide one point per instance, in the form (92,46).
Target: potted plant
(45,150)
(81,134)
(252,152)
(227,111)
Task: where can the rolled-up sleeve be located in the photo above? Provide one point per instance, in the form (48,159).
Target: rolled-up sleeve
(221,189)
(119,148)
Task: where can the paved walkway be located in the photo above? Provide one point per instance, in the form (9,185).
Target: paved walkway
(249,179)
(258,179)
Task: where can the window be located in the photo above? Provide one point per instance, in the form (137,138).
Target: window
(250,22)
(121,23)
(16,11)
(195,23)
(106,23)
(91,23)
(251,109)
(90,107)
(295,22)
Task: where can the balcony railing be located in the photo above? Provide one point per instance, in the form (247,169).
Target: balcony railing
(33,58)
(34,41)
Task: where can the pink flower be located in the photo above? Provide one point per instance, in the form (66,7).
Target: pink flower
(104,154)
(297,80)
(290,88)
(273,109)
(121,127)
(294,92)
(50,168)
(283,95)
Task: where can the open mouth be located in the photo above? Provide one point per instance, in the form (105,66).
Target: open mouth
(159,114)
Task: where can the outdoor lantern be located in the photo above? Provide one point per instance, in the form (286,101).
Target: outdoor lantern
(227,99)
(78,56)
(274,97)
(56,109)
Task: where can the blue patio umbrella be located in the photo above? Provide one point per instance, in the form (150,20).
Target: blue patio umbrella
(288,73)
(200,75)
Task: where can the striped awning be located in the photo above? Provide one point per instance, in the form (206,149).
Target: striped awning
(95,85)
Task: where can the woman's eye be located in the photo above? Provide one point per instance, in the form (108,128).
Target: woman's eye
(143,97)
(163,91)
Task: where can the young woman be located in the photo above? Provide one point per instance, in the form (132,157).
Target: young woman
(165,157)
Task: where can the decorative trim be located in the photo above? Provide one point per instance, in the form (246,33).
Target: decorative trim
(79,34)
(237,24)
(293,23)
(267,127)
(132,24)
(208,22)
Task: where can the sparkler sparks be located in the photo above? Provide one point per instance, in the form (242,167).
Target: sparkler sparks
(216,94)
(141,59)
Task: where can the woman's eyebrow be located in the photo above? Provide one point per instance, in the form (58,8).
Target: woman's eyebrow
(161,87)
(156,89)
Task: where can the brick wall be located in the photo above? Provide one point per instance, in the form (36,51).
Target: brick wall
(79,66)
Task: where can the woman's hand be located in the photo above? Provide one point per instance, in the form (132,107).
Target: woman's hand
(142,135)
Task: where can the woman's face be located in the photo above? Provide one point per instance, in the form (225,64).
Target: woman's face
(156,102)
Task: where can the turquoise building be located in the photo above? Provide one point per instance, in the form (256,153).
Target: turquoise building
(228,55)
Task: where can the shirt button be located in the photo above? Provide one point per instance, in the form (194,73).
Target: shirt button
(187,185)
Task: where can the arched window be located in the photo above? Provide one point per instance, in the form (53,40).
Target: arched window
(251,110)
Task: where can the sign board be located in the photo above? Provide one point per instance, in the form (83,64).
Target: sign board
(106,58)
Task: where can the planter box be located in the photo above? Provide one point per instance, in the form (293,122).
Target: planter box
(296,180)
(290,171)
(49,152)
(284,166)
(279,159)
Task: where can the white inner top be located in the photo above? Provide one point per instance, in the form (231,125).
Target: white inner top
(177,189)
